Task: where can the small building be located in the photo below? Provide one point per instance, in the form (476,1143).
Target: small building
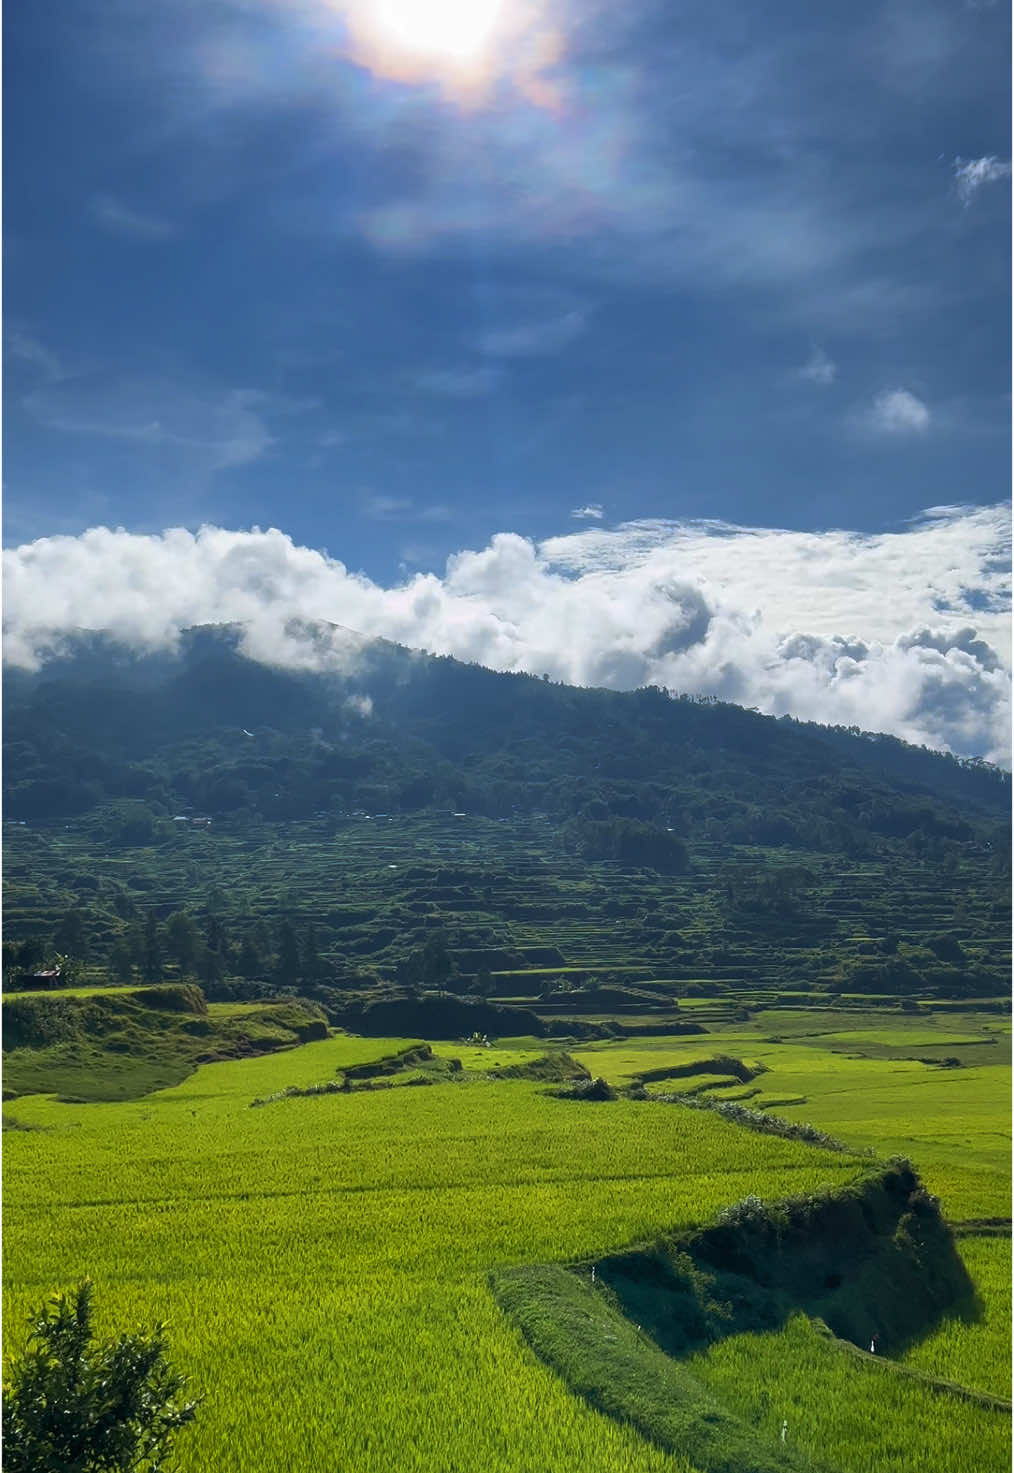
(38,981)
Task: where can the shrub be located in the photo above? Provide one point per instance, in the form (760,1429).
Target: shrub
(87,1407)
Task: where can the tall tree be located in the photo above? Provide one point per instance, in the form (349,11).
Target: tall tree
(151,953)
(251,958)
(121,967)
(287,967)
(71,937)
(182,941)
(437,962)
(311,963)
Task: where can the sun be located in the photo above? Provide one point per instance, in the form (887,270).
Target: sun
(466,48)
(455,30)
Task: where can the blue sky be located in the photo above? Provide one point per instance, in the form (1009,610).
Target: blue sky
(655,342)
(740,262)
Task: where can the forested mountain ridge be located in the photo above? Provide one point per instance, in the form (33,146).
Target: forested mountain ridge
(134,740)
(406,820)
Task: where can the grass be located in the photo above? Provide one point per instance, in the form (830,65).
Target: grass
(977,1352)
(849,1413)
(105,1047)
(323,1263)
(608,1362)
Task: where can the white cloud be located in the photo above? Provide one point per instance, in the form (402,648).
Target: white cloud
(361,705)
(592,512)
(899,412)
(113,215)
(835,626)
(819,368)
(971,174)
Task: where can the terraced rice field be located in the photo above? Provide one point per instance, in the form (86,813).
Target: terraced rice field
(510,885)
(847,1412)
(323,1261)
(975,1351)
(953,1123)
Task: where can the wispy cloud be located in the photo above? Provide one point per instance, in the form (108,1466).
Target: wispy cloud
(819,368)
(401,509)
(194,427)
(700,156)
(473,381)
(972,175)
(592,512)
(31,350)
(534,338)
(835,626)
(898,412)
(116,217)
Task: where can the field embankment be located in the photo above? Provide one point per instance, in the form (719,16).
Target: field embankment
(872,1260)
(119,1045)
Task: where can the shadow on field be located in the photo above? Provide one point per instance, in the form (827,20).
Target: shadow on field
(873,1260)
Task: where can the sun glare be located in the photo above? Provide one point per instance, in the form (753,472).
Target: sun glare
(455,29)
(465,47)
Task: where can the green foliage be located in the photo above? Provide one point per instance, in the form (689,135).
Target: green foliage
(77,1405)
(182,941)
(610,1363)
(629,841)
(121,1045)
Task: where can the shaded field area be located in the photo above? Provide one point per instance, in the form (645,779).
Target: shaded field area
(977,1352)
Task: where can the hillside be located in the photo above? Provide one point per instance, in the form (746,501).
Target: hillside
(405,732)
(415,821)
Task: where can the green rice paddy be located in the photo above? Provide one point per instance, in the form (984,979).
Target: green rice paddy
(323,1263)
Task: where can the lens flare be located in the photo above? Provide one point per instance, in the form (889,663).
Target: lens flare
(458,29)
(467,48)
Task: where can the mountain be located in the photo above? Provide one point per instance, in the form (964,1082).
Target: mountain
(371,725)
(366,817)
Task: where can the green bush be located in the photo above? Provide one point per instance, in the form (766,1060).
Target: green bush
(82,1406)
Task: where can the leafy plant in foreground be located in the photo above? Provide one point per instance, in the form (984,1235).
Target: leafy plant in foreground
(81,1406)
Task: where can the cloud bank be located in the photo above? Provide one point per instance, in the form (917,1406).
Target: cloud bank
(905,632)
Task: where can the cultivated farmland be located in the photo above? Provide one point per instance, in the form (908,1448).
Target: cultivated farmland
(323,1261)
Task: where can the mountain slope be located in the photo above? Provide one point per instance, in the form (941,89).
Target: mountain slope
(208,728)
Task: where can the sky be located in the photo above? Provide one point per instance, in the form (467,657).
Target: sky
(659,341)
